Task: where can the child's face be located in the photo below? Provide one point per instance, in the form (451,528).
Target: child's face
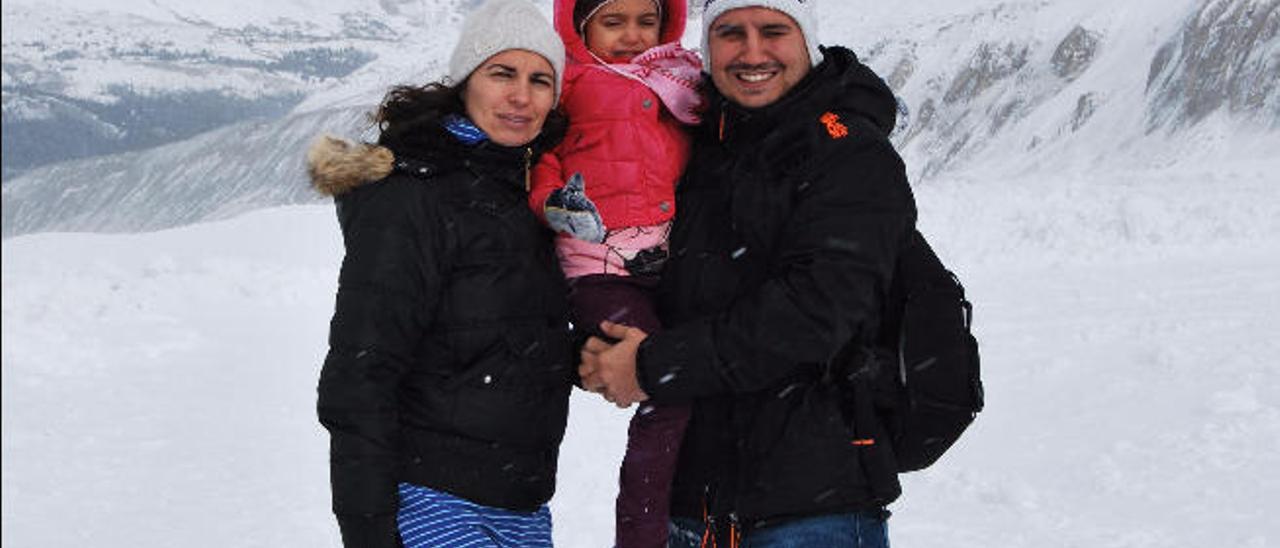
(623,29)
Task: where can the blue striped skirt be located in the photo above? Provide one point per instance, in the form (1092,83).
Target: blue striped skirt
(430,518)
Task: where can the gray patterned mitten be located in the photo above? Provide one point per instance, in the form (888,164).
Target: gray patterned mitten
(568,210)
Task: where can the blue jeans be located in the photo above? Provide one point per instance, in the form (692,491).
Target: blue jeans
(859,530)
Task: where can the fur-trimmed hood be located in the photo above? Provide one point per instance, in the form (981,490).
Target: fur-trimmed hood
(337,166)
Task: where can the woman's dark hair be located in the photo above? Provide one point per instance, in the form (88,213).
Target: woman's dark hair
(409,117)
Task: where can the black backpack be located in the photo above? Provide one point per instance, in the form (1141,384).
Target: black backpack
(927,384)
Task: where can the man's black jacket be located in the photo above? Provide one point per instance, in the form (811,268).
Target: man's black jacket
(790,221)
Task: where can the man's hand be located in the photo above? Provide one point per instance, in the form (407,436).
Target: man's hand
(610,369)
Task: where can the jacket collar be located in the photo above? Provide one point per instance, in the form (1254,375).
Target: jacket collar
(839,83)
(446,152)
(337,166)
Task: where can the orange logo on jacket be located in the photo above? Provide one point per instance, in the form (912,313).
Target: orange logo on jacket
(835,129)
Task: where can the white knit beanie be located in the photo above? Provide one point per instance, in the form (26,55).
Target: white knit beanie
(500,25)
(802,11)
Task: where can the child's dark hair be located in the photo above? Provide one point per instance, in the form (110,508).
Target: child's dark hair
(583,8)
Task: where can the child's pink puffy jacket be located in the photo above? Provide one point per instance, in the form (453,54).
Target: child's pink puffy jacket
(629,149)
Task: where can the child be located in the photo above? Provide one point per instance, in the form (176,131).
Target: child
(609,192)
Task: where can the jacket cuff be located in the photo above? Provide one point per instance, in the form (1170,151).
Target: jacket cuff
(369,531)
(362,486)
(679,365)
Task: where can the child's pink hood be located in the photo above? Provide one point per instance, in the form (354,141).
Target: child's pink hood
(674,13)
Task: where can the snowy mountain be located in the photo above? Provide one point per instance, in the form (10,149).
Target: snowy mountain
(82,80)
(1018,87)
(1225,57)
(1101,175)
(217,174)
(1085,84)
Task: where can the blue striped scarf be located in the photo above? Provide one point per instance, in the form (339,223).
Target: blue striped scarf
(464,130)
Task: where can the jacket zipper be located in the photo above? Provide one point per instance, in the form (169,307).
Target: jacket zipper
(528,161)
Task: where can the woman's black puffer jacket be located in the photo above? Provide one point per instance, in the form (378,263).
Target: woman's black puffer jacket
(449,361)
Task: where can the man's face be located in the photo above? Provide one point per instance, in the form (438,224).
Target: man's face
(757,55)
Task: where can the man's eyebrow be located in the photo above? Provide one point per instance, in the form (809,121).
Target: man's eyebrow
(775,27)
(726,26)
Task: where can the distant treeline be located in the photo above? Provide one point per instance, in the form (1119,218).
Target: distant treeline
(77,128)
(309,63)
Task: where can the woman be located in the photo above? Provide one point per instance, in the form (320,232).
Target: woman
(445,390)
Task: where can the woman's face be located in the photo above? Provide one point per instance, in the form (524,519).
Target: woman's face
(622,29)
(509,96)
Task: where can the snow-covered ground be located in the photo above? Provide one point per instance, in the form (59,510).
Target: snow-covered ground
(158,389)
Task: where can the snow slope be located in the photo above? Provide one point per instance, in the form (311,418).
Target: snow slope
(160,387)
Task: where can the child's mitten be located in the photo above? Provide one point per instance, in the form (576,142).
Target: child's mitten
(569,210)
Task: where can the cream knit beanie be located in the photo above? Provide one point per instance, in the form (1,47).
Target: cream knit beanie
(500,25)
(802,11)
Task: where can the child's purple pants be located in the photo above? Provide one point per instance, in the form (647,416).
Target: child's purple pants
(653,439)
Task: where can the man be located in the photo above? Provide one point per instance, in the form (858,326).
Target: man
(790,218)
